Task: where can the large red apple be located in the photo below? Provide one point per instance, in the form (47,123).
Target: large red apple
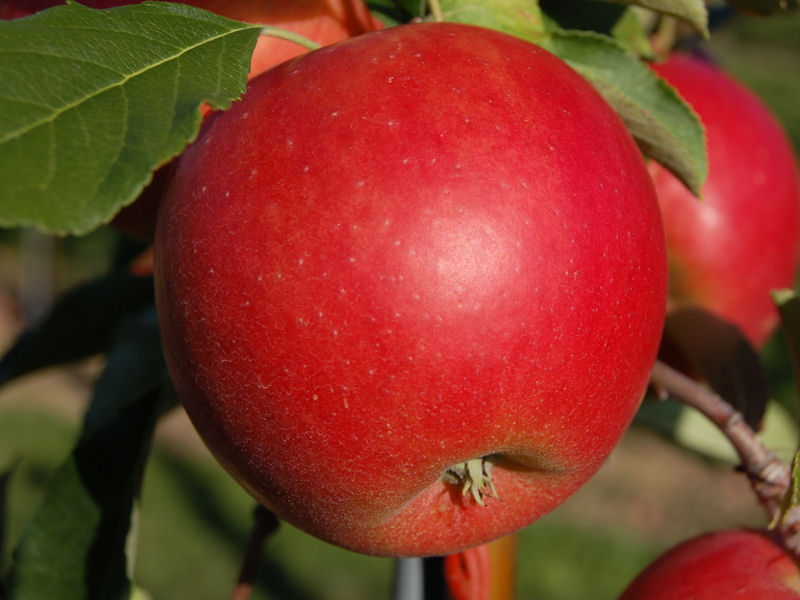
(728,251)
(720,566)
(411,287)
(322,21)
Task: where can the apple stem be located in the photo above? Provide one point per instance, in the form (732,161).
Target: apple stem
(769,475)
(436,10)
(663,39)
(290,36)
(474,476)
(265,523)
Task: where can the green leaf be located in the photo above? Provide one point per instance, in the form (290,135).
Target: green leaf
(629,32)
(663,125)
(693,12)
(92,101)
(520,18)
(619,22)
(80,324)
(75,544)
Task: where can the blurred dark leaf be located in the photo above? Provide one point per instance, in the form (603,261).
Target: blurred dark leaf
(75,545)
(587,15)
(80,324)
(135,366)
(660,415)
(713,350)
(693,12)
(5,477)
(395,13)
(788,304)
(763,7)
(602,16)
(416,8)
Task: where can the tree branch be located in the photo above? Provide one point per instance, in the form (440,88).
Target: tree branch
(265,523)
(769,476)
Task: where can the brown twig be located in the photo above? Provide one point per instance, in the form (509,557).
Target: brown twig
(769,475)
(265,523)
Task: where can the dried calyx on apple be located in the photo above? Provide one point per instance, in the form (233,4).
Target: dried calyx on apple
(474,477)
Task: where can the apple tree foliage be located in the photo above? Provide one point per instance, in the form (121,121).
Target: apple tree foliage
(92,102)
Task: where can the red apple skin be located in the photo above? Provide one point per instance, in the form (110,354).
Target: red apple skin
(321,21)
(730,250)
(455,251)
(720,566)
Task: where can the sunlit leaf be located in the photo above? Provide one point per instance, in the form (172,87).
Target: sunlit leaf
(92,101)
(693,12)
(663,125)
(520,18)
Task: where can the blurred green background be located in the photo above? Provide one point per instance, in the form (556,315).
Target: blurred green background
(194,520)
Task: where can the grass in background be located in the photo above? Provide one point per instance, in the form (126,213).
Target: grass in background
(764,54)
(194,522)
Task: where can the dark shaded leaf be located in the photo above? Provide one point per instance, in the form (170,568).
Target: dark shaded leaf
(5,477)
(80,324)
(763,7)
(788,304)
(393,13)
(587,15)
(75,545)
(713,350)
(693,12)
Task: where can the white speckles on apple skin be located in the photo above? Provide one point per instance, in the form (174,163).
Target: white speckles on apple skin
(442,313)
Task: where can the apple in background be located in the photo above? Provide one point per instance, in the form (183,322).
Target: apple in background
(484,572)
(729,250)
(322,21)
(411,287)
(720,566)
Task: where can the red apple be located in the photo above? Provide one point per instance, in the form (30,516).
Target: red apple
(408,271)
(720,566)
(322,21)
(728,251)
